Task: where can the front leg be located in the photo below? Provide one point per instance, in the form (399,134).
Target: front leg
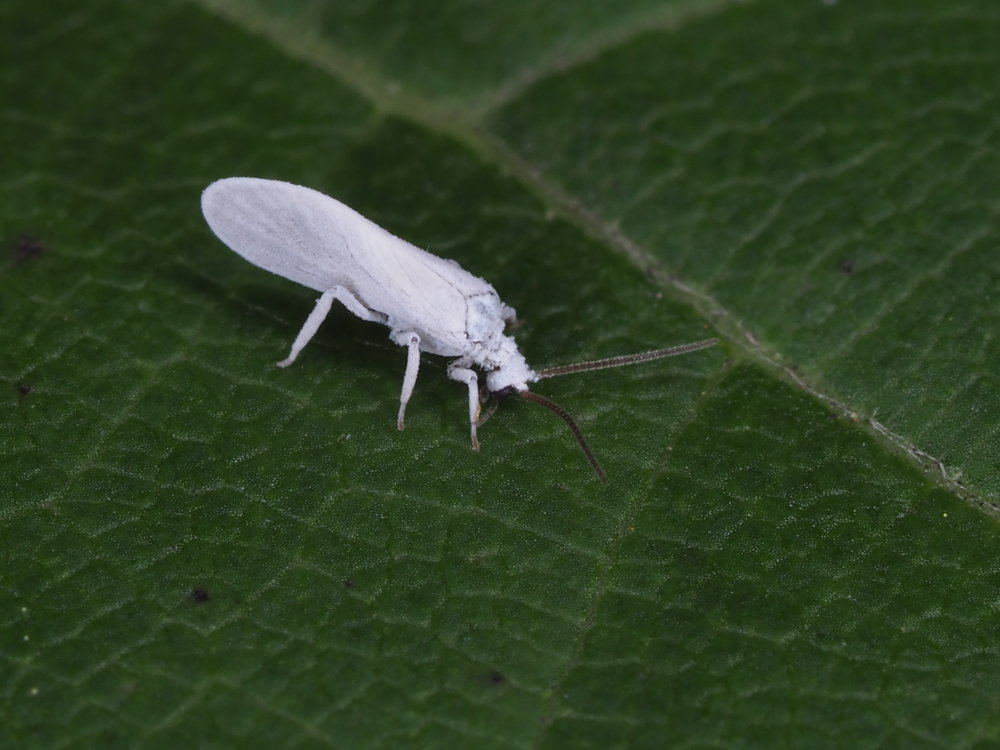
(458,370)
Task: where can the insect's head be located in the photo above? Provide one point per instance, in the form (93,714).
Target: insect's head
(511,371)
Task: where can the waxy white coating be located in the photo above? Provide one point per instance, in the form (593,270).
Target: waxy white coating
(429,304)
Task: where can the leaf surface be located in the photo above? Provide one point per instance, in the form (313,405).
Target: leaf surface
(797,545)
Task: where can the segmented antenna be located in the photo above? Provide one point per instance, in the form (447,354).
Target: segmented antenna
(554,407)
(625,359)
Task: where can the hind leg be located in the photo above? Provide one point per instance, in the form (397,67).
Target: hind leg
(319,313)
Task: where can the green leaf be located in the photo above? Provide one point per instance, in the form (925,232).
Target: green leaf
(797,545)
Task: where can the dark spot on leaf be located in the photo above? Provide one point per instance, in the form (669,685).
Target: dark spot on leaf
(27,248)
(496,677)
(846,266)
(199,595)
(348,583)
(23,388)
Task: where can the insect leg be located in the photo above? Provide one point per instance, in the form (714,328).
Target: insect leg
(319,313)
(457,371)
(411,340)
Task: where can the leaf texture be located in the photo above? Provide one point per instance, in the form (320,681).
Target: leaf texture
(797,546)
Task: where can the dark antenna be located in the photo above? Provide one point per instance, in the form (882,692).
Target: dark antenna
(596,364)
(600,364)
(625,359)
(554,407)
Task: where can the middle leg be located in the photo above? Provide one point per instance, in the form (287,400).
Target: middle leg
(411,340)
(458,371)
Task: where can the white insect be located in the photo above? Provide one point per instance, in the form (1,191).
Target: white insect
(429,304)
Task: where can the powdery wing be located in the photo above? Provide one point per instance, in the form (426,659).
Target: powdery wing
(317,241)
